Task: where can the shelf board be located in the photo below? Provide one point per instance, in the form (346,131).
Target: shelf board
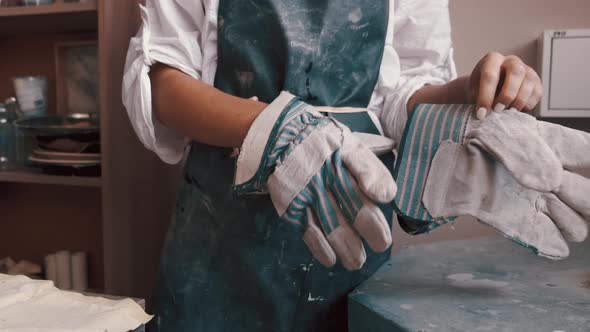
(26,176)
(56,8)
(59,17)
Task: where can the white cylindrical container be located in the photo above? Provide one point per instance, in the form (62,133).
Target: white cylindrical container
(79,272)
(31,93)
(50,263)
(37,2)
(64,269)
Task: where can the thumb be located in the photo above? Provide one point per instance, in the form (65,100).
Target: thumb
(378,144)
(372,175)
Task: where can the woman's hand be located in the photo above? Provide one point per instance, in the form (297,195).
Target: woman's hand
(499,82)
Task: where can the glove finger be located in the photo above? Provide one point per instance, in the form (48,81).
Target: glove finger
(373,227)
(344,187)
(346,243)
(378,144)
(538,232)
(546,238)
(326,208)
(296,212)
(571,146)
(317,243)
(512,138)
(366,217)
(343,239)
(537,168)
(573,227)
(573,191)
(373,177)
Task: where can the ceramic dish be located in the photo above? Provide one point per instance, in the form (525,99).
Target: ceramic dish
(53,155)
(55,125)
(64,162)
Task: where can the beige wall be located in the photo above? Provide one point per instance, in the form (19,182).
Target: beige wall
(509,27)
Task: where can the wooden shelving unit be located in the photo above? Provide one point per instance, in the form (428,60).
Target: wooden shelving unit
(59,7)
(67,212)
(57,17)
(40,27)
(33,177)
(121,218)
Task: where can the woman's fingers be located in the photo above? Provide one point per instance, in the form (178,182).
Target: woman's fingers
(529,93)
(537,95)
(500,82)
(488,72)
(524,96)
(514,72)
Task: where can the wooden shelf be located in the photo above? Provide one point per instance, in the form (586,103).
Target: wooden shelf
(56,8)
(96,215)
(58,17)
(26,176)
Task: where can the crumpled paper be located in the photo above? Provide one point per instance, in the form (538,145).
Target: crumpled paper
(28,305)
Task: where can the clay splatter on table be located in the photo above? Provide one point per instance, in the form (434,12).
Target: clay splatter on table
(475,285)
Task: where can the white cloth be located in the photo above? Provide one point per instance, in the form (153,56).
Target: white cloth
(183,34)
(28,305)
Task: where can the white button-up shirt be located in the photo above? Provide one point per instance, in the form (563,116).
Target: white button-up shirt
(183,35)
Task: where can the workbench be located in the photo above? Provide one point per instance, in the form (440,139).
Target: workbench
(489,284)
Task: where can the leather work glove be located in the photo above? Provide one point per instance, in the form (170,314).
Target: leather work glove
(321,178)
(508,170)
(537,153)
(465,180)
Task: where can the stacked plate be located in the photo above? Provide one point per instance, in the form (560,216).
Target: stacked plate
(63,144)
(64,158)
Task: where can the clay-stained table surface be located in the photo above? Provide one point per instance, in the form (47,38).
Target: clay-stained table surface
(488,284)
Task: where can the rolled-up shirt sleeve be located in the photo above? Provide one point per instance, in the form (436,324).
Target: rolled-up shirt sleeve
(170,34)
(422,41)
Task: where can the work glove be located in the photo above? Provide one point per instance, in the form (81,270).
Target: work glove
(465,180)
(511,196)
(537,153)
(321,178)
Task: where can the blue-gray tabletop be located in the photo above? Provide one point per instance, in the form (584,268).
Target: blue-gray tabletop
(475,285)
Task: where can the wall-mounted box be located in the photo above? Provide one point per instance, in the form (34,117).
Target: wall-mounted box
(564,66)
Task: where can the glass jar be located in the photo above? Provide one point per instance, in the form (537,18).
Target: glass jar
(31,93)
(7,139)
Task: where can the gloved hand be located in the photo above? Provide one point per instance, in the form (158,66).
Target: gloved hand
(321,178)
(537,153)
(464,180)
(522,186)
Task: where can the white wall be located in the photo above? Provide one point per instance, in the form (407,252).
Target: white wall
(509,27)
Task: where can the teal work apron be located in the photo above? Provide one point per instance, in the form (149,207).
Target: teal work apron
(229,263)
